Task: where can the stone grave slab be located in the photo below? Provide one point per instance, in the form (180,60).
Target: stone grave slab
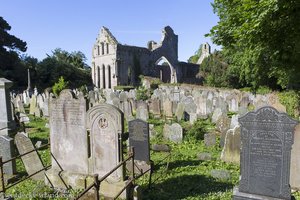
(31,161)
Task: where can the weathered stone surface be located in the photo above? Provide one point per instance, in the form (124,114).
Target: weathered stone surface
(167,107)
(267,138)
(106,124)
(142,113)
(6,117)
(220,174)
(31,161)
(154,107)
(68,133)
(216,115)
(204,156)
(7,152)
(139,139)
(232,145)
(173,132)
(33,105)
(209,139)
(295,161)
(223,125)
(179,111)
(161,147)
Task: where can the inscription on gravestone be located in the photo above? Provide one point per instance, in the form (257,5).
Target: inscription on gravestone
(267,137)
(139,139)
(31,161)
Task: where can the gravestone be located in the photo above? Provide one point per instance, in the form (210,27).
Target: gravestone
(106,124)
(179,111)
(68,134)
(33,105)
(142,113)
(223,125)
(231,150)
(209,139)
(6,118)
(154,107)
(139,139)
(7,152)
(167,107)
(267,137)
(31,161)
(173,132)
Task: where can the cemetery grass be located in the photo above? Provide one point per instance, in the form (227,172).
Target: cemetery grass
(186,177)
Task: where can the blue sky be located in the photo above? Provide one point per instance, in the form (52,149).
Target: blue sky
(74,25)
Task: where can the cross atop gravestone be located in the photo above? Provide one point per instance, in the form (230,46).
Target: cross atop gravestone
(139,139)
(267,137)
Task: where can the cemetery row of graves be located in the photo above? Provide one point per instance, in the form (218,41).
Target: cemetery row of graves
(190,138)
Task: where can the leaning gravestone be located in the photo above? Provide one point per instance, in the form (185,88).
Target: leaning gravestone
(267,137)
(139,139)
(31,161)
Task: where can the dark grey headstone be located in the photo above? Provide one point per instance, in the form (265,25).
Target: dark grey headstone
(7,150)
(267,137)
(139,139)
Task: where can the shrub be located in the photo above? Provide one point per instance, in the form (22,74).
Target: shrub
(59,86)
(197,130)
(291,100)
(142,93)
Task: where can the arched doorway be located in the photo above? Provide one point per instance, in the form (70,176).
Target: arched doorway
(167,73)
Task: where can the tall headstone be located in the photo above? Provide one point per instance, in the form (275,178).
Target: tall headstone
(31,161)
(68,134)
(106,123)
(267,137)
(232,145)
(7,152)
(6,119)
(139,139)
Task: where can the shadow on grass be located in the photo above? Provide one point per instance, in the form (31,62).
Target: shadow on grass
(176,164)
(184,186)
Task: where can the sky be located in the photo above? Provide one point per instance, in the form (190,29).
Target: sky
(73,25)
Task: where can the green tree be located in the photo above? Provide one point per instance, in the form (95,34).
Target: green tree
(10,47)
(261,40)
(194,58)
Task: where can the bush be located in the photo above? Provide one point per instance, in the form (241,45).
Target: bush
(291,100)
(59,86)
(197,130)
(142,93)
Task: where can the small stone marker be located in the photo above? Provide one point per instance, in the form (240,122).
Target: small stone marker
(209,139)
(139,139)
(173,132)
(267,137)
(161,147)
(204,156)
(232,145)
(220,174)
(31,161)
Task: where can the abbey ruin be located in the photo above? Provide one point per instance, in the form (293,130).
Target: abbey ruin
(117,64)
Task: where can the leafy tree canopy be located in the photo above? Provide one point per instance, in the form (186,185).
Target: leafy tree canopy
(261,40)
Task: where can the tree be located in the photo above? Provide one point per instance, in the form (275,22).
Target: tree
(194,59)
(261,40)
(60,63)
(10,47)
